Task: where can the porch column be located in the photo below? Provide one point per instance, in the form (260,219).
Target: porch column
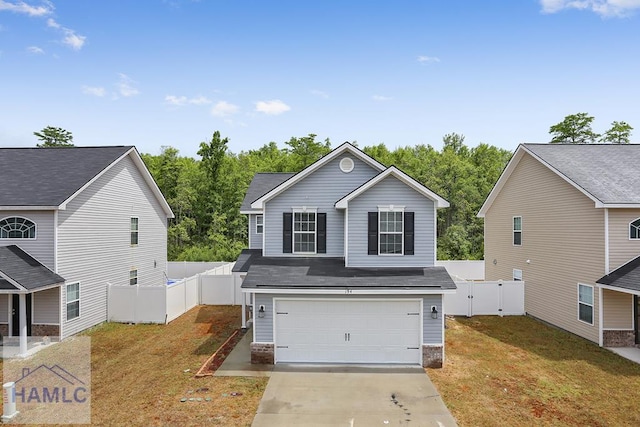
(244,311)
(22,298)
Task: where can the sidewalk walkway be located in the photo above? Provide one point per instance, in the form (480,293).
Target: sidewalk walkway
(238,362)
(631,353)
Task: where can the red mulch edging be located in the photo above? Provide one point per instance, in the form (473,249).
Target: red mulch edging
(213,363)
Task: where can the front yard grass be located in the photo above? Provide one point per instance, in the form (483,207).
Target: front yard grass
(516,371)
(138,373)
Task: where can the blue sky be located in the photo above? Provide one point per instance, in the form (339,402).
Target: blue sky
(151,72)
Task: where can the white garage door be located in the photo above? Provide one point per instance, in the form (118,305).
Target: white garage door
(348,331)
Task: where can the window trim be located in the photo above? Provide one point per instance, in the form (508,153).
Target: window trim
(135,232)
(35,228)
(307,210)
(592,305)
(133,276)
(514,230)
(390,208)
(67,302)
(515,275)
(637,229)
(260,230)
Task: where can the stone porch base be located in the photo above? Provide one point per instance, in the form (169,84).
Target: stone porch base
(432,356)
(618,339)
(45,330)
(262,354)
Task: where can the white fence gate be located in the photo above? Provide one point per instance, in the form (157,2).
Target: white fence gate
(503,298)
(164,303)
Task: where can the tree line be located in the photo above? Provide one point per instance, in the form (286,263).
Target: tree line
(206,193)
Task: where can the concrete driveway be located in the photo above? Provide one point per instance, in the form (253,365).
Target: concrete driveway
(352,397)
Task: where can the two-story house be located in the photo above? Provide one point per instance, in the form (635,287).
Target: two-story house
(565,219)
(341,264)
(73,220)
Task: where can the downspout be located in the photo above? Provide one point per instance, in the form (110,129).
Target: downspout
(606,271)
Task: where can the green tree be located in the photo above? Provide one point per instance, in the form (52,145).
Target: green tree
(574,129)
(619,133)
(54,137)
(306,150)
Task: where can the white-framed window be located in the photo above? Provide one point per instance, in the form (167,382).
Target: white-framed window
(16,227)
(585,303)
(259,224)
(517,231)
(304,231)
(133,277)
(634,229)
(517,275)
(73,300)
(390,231)
(134,231)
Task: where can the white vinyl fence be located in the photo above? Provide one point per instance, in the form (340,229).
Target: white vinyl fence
(164,303)
(503,298)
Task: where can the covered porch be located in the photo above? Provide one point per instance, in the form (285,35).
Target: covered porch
(619,312)
(30,298)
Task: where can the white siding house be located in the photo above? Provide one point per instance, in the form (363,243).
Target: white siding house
(99,219)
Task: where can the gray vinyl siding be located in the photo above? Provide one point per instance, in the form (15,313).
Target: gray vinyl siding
(46,307)
(42,247)
(391,191)
(321,190)
(432,328)
(255,239)
(94,241)
(4,308)
(264,326)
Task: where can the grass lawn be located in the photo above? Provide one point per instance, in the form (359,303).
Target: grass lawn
(515,371)
(138,378)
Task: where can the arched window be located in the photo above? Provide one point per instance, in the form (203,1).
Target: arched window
(17,228)
(634,229)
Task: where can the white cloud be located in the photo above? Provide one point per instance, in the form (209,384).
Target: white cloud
(200,100)
(73,40)
(175,100)
(45,8)
(381,98)
(605,8)
(320,94)
(35,50)
(422,59)
(273,107)
(94,90)
(183,100)
(52,23)
(224,109)
(125,86)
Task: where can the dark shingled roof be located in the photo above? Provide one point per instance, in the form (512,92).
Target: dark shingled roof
(327,273)
(49,176)
(260,185)
(626,276)
(22,268)
(609,172)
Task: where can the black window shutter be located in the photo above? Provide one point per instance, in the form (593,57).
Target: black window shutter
(287,222)
(373,233)
(321,236)
(408,233)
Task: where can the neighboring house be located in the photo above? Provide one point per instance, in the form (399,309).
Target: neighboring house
(565,219)
(341,264)
(72,221)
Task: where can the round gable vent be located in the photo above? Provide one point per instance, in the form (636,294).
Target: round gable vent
(346,165)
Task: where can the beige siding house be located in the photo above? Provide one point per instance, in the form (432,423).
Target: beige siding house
(561,217)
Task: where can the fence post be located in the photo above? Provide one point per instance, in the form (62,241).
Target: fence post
(9,401)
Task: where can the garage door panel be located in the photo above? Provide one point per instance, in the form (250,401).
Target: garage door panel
(348,331)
